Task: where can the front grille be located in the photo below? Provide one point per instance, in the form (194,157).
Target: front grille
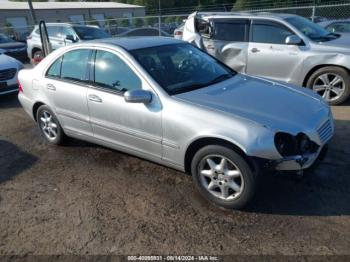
(325,131)
(7,74)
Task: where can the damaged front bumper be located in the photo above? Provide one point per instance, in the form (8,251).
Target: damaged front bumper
(294,163)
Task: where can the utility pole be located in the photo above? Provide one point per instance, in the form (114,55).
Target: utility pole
(32,12)
(159,17)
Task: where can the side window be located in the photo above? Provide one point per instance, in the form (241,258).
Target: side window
(67,31)
(234,32)
(54,31)
(55,69)
(113,73)
(270,33)
(339,27)
(74,65)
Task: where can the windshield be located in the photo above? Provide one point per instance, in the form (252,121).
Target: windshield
(313,31)
(90,33)
(180,68)
(5,39)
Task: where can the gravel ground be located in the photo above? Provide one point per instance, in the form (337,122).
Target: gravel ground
(85,199)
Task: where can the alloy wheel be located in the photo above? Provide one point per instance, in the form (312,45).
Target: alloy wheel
(221,177)
(330,86)
(48,125)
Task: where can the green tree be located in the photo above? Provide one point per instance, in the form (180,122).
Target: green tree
(138,22)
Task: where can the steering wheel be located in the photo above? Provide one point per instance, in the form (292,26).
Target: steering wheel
(188,64)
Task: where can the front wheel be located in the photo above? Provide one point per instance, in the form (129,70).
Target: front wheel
(223,176)
(332,83)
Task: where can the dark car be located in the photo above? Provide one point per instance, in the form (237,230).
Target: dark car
(146,31)
(12,48)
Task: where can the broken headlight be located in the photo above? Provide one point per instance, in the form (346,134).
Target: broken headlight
(289,145)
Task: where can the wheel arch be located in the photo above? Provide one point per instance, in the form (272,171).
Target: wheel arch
(199,143)
(35,108)
(314,69)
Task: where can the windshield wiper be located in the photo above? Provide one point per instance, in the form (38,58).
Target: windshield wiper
(192,87)
(189,88)
(220,78)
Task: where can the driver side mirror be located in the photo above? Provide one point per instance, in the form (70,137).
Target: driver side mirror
(293,40)
(70,38)
(138,96)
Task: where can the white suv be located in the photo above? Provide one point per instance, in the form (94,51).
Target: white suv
(61,34)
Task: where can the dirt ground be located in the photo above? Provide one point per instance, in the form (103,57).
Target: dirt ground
(85,199)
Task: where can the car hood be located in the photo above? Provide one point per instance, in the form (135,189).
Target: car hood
(342,41)
(12,45)
(8,62)
(275,105)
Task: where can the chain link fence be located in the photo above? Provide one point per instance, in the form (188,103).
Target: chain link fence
(166,25)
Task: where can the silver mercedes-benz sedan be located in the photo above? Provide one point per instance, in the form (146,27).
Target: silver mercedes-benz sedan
(169,102)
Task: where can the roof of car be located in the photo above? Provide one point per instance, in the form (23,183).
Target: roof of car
(210,15)
(66,24)
(139,42)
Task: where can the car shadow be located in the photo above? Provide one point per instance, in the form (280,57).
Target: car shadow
(324,191)
(9,101)
(13,161)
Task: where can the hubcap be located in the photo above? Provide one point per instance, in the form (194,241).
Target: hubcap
(221,177)
(48,125)
(330,86)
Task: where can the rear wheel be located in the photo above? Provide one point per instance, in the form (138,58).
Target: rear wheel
(332,83)
(223,176)
(49,125)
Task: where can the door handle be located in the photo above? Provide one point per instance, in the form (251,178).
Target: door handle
(51,87)
(255,50)
(95,98)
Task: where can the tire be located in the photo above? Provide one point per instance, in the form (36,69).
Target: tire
(49,126)
(37,57)
(342,87)
(245,179)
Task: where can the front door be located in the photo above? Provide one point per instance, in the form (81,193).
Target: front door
(269,56)
(128,126)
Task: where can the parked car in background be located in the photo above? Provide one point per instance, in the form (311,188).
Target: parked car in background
(318,19)
(145,31)
(116,30)
(178,32)
(166,27)
(167,101)
(62,34)
(9,68)
(282,47)
(12,48)
(337,26)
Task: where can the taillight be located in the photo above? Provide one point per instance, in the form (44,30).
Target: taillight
(178,33)
(20,88)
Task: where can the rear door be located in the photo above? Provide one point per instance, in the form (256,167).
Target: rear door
(65,86)
(229,42)
(269,56)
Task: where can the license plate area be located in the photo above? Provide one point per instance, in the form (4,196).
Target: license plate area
(3,85)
